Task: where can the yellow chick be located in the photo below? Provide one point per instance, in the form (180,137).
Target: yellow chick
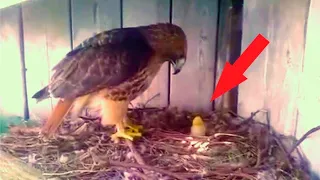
(198,127)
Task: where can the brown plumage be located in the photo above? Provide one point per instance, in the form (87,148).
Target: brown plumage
(112,68)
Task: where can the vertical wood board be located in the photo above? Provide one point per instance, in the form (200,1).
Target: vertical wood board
(223,48)
(192,88)
(309,91)
(228,50)
(145,12)
(11,90)
(273,79)
(47,40)
(91,17)
(252,92)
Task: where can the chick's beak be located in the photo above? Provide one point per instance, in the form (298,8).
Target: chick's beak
(177,65)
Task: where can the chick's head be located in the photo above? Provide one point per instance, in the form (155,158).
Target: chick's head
(197,121)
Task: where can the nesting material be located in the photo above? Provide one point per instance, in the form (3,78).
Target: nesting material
(233,148)
(13,167)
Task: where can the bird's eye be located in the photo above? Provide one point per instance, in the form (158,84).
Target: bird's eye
(181,56)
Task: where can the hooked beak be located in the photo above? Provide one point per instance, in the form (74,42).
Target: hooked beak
(177,65)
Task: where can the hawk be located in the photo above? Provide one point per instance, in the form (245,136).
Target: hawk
(112,68)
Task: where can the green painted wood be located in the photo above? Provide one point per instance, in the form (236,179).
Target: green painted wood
(90,17)
(192,88)
(47,40)
(11,88)
(144,12)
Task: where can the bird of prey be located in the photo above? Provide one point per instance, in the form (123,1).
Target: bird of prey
(112,68)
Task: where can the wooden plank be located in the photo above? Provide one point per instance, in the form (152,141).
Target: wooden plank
(309,90)
(273,79)
(90,17)
(11,91)
(234,50)
(47,40)
(224,51)
(192,88)
(252,92)
(15,167)
(144,12)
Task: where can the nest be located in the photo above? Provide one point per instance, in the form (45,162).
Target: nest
(234,148)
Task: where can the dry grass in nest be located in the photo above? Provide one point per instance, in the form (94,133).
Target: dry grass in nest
(234,148)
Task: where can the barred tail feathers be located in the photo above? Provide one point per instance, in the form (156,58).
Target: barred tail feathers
(56,117)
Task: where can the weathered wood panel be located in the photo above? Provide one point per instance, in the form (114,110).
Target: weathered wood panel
(309,89)
(223,52)
(47,40)
(192,88)
(90,17)
(273,79)
(144,12)
(11,91)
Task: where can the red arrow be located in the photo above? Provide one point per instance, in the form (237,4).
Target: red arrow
(232,75)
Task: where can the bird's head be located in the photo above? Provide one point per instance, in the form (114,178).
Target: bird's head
(177,48)
(171,41)
(178,57)
(197,121)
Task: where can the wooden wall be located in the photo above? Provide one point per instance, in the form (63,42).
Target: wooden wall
(285,79)
(274,78)
(46,40)
(11,94)
(193,87)
(52,28)
(143,12)
(309,99)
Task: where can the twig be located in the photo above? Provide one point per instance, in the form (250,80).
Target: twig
(258,156)
(135,153)
(73,172)
(216,135)
(283,149)
(313,130)
(89,118)
(235,114)
(140,175)
(149,100)
(268,121)
(132,165)
(220,173)
(154,109)
(249,119)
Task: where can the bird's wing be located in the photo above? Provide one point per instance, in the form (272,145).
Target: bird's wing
(104,60)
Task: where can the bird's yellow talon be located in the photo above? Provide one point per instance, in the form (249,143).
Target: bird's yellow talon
(126,130)
(134,128)
(134,134)
(125,134)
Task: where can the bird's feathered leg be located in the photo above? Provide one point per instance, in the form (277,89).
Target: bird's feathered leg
(56,117)
(79,104)
(114,113)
